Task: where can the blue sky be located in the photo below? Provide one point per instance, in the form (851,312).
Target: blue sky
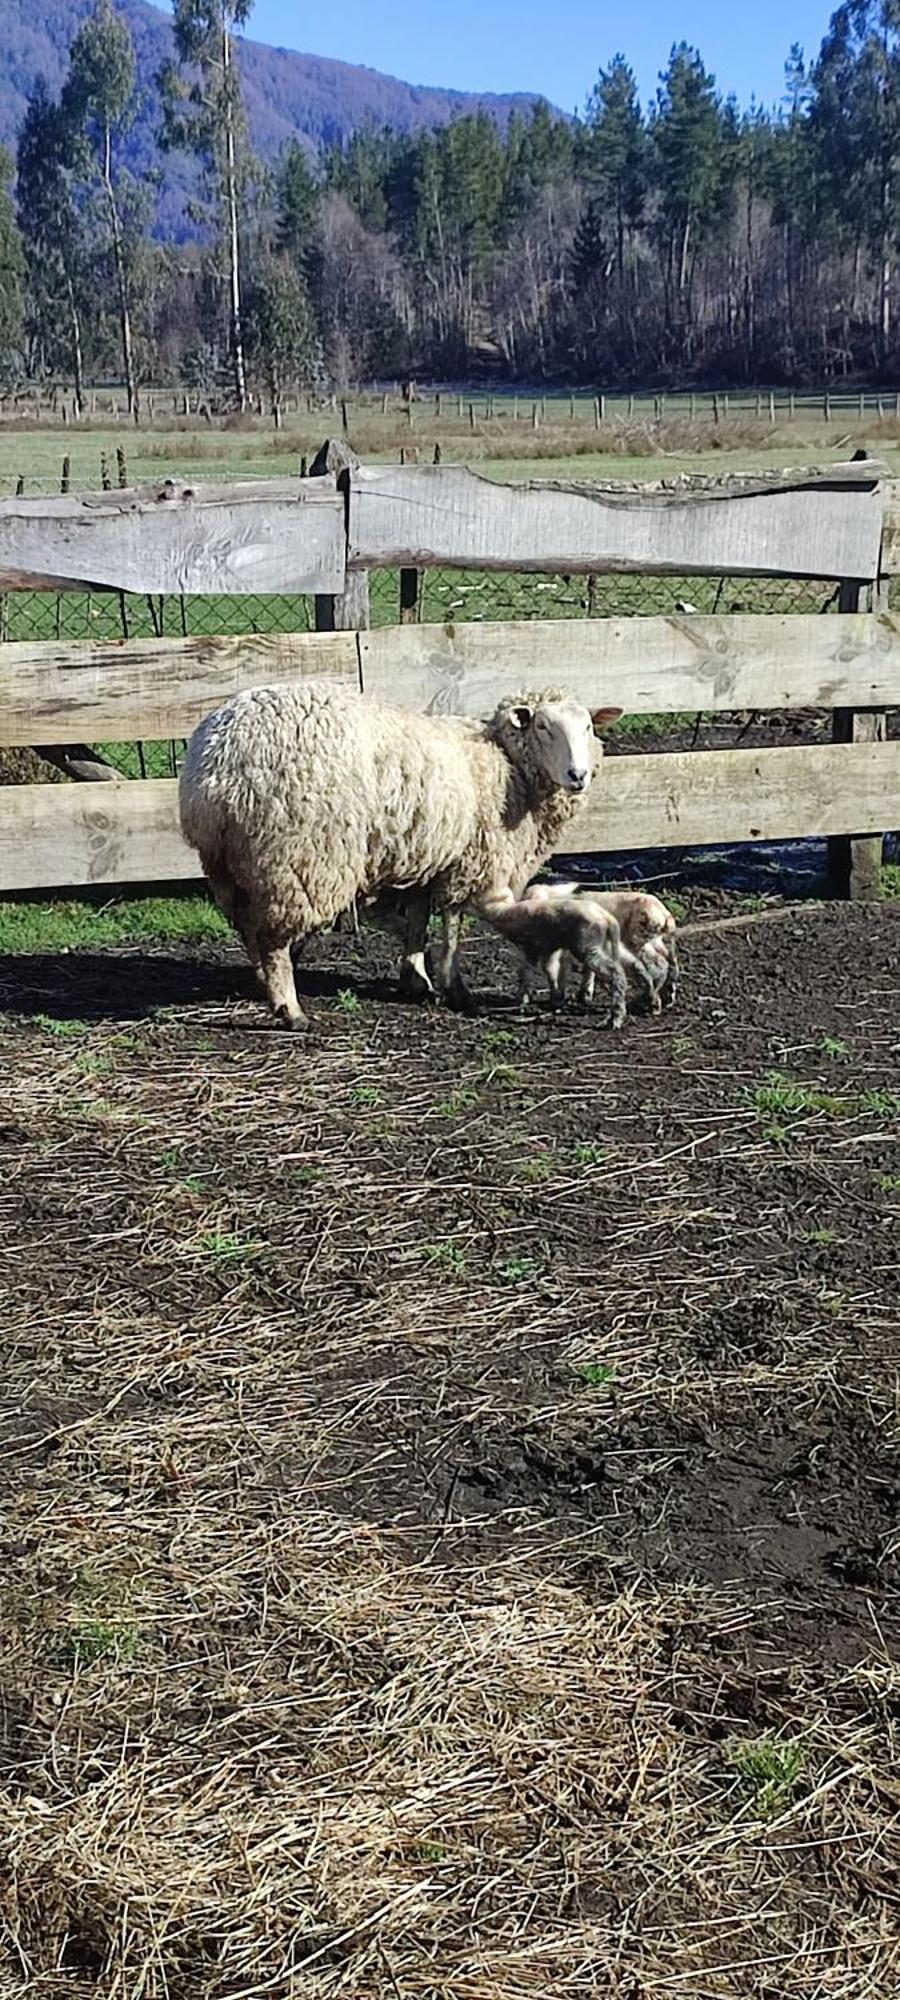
(553,48)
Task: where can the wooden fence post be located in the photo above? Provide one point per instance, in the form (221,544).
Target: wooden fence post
(854,860)
(409,596)
(349,611)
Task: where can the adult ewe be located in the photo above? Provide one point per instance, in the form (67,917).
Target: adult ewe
(301,797)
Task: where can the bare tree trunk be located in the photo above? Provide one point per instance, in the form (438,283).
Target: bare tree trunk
(77,353)
(234,254)
(131,391)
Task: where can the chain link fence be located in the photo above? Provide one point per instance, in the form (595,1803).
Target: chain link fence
(442,595)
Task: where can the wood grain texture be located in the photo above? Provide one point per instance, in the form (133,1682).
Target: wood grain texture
(60,836)
(172,539)
(826,524)
(890,544)
(150,689)
(115,691)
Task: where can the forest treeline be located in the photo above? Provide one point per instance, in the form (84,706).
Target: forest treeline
(685,241)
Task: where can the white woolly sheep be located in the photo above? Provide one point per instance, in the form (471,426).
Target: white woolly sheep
(298,798)
(546,929)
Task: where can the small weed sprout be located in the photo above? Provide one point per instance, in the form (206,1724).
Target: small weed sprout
(597,1374)
(770,1771)
(366,1096)
(348,1001)
(227,1246)
(445,1256)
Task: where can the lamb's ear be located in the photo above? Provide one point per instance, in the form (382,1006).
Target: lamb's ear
(522,716)
(601,715)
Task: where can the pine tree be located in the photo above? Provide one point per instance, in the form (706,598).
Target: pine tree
(203,113)
(616,154)
(855,121)
(299,201)
(51,234)
(99,102)
(281,337)
(12,272)
(693,160)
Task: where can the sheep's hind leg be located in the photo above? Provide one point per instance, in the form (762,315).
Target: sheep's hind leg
(416,982)
(612,970)
(669,986)
(278,976)
(457,994)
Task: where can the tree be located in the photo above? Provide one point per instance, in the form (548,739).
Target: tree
(855,119)
(280,329)
(691,158)
(98,99)
(299,201)
(616,156)
(203,113)
(12,270)
(51,234)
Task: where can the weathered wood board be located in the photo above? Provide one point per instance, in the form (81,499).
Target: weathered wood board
(61,836)
(151,689)
(256,535)
(825,524)
(158,688)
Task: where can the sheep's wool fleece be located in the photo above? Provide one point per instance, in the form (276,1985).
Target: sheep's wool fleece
(305,796)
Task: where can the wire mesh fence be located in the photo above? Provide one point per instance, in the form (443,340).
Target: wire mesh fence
(442,595)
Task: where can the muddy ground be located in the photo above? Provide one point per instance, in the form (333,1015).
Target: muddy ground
(451,1480)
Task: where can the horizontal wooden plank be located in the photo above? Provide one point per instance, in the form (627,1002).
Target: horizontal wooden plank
(173,538)
(646,666)
(113,691)
(122,691)
(61,836)
(825,524)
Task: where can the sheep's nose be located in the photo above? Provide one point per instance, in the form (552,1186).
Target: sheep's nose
(576,779)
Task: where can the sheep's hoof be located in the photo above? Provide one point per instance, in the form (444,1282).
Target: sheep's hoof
(461,1001)
(415,985)
(286,1018)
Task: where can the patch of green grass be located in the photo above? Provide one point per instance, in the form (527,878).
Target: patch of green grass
(61,1029)
(880,1103)
(192,1184)
(499,1038)
(778,1135)
(502,1075)
(96,1108)
(749,903)
(366,1096)
(538,1169)
(890,880)
(889,1183)
(519,1270)
(170,1158)
(307,1176)
(823,1237)
(451,1107)
(589,1154)
(770,1770)
(91,1639)
(785,1098)
(90,1062)
(227,1246)
(597,1374)
(348,1001)
(650,725)
(63,926)
(445,1256)
(831,1045)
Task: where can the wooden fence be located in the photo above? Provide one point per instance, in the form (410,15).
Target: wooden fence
(323,535)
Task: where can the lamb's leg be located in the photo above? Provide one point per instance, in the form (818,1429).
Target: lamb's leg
(643,978)
(278,975)
(415,980)
(452,984)
(669,986)
(610,966)
(553,976)
(588,986)
(526,983)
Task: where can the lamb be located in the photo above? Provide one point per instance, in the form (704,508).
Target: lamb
(546,928)
(299,798)
(629,930)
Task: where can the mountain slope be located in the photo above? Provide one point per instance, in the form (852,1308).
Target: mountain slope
(287,95)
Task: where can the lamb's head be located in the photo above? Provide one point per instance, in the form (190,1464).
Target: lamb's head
(552,736)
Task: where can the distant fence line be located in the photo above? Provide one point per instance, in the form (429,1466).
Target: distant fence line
(330,536)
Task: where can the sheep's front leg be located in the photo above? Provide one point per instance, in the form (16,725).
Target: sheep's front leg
(553,967)
(452,984)
(415,979)
(669,984)
(278,978)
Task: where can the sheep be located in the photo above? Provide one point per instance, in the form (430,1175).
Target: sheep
(301,797)
(545,928)
(647,933)
(552,921)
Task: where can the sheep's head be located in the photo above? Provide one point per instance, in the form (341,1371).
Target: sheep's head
(552,734)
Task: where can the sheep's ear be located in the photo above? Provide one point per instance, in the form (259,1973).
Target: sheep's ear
(602,715)
(522,716)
